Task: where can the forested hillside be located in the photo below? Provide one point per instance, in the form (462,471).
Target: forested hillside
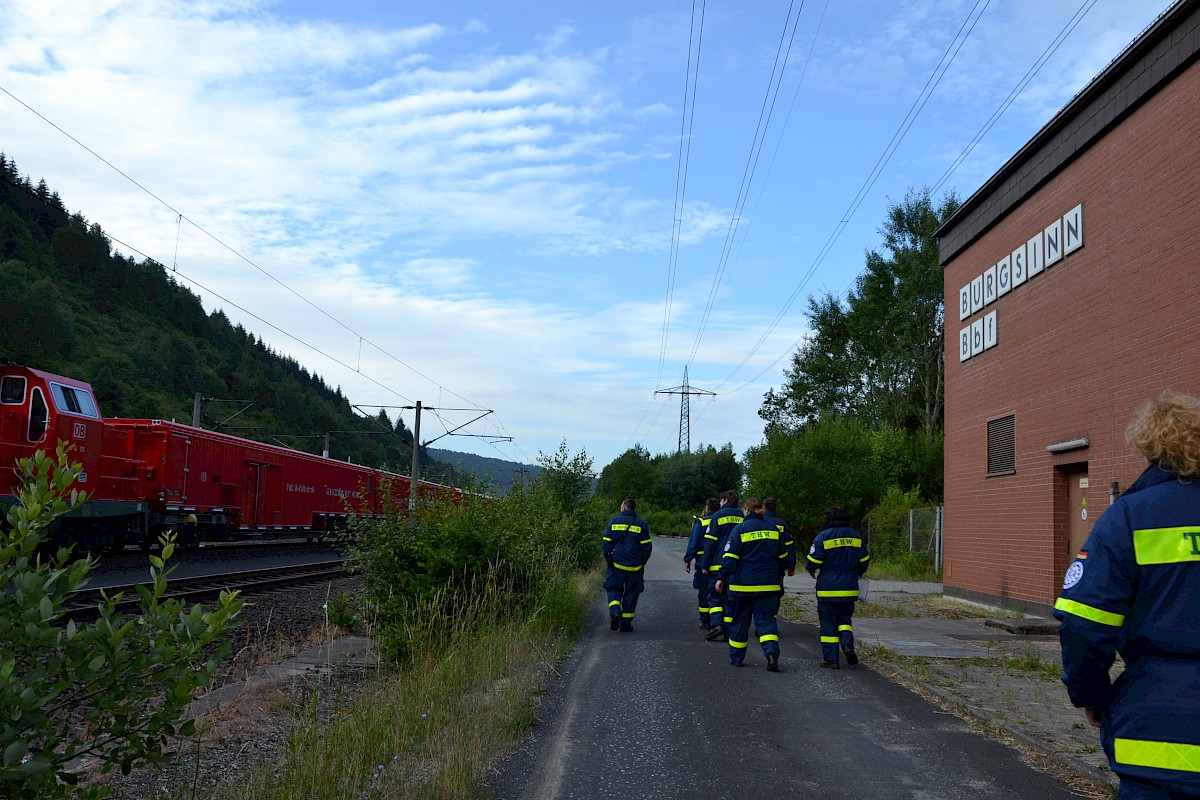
(69,304)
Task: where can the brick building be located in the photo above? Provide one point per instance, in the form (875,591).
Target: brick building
(1072,294)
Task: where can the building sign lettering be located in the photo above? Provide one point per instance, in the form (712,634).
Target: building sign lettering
(1045,248)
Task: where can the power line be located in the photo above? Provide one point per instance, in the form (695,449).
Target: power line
(764,120)
(1032,72)
(939,71)
(686,124)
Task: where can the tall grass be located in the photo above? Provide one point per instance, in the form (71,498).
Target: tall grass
(435,727)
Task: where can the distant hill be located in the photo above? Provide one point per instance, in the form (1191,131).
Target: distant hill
(502,474)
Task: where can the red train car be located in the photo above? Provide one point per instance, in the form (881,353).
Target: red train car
(144,477)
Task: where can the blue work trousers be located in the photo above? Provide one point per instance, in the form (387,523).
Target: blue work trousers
(836,627)
(762,608)
(700,584)
(1145,790)
(623,588)
(718,614)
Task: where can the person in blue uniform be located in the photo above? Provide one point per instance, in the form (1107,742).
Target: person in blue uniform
(771,515)
(695,549)
(723,520)
(837,559)
(750,578)
(627,547)
(1134,589)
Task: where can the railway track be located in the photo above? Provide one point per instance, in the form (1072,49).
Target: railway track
(83,604)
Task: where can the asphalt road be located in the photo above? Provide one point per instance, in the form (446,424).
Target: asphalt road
(659,713)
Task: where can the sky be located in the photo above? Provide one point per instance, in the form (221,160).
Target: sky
(543,209)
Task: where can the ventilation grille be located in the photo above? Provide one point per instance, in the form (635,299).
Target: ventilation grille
(1002,445)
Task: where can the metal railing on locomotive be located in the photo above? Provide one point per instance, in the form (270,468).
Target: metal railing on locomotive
(919,530)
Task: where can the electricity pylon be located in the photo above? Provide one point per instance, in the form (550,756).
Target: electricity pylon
(685,426)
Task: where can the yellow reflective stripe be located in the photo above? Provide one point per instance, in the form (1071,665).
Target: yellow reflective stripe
(706,536)
(1157,755)
(635,528)
(612,603)
(770,637)
(1090,612)
(867,557)
(1167,545)
(829,640)
(620,526)
(846,593)
(704,610)
(608,538)
(752,536)
(626,615)
(766,587)
(716,609)
(643,541)
(845,627)
(843,542)
(815,560)
(715,568)
(627,569)
(727,620)
(733,555)
(738,645)
(729,520)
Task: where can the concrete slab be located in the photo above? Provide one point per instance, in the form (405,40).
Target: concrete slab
(357,652)
(921,637)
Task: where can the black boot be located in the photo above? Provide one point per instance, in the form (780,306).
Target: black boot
(851,656)
(772,662)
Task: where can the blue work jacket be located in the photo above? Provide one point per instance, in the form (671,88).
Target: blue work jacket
(789,563)
(838,556)
(751,558)
(695,545)
(1134,589)
(627,541)
(723,520)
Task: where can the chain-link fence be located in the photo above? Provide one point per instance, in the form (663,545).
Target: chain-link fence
(912,530)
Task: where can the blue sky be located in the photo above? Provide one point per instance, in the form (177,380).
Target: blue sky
(472,204)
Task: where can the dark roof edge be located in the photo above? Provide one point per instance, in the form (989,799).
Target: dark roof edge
(1164,49)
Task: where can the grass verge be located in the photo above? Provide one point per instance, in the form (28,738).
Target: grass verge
(436,727)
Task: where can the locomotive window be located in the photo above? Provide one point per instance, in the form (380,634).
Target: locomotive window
(72,400)
(12,390)
(37,416)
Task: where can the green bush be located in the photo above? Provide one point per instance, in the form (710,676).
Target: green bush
(117,689)
(451,551)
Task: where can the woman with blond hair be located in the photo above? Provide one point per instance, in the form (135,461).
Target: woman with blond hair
(1134,589)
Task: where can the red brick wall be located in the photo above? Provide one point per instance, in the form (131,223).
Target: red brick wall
(1079,346)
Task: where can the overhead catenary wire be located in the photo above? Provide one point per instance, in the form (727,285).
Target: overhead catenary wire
(182,217)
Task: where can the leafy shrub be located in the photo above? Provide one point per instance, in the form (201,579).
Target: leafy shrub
(448,552)
(126,682)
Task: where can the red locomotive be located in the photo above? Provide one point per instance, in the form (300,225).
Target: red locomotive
(147,476)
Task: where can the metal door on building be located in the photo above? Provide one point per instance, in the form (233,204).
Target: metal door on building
(1079,524)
